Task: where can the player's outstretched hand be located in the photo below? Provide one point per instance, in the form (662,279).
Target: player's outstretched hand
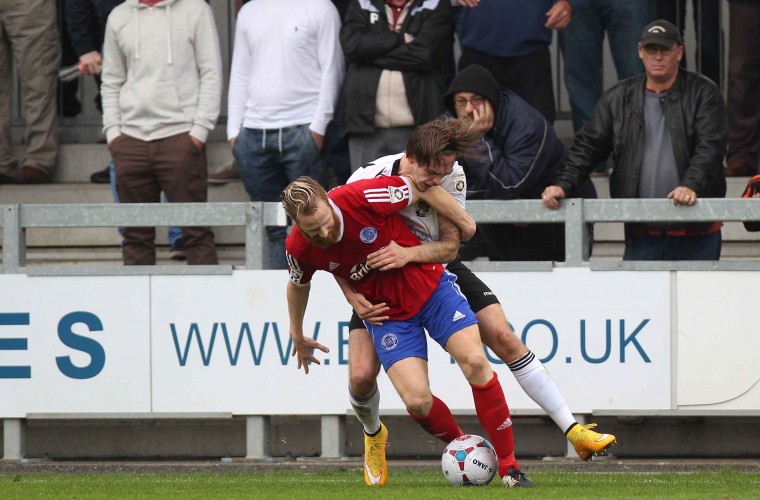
(303,350)
(391,256)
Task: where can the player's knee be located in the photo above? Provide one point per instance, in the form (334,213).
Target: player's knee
(475,367)
(504,343)
(362,381)
(419,405)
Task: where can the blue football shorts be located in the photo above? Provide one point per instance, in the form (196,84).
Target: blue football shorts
(445,313)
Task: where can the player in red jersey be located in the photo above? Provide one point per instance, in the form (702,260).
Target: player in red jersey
(335,233)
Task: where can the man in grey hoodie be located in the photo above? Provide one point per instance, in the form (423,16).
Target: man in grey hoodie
(162,82)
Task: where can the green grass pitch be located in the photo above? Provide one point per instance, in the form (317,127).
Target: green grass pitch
(403,484)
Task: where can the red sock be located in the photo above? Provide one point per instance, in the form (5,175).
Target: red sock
(439,422)
(493,414)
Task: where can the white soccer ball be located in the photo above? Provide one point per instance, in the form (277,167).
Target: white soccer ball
(469,460)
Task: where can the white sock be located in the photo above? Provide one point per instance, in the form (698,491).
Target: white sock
(367,410)
(538,384)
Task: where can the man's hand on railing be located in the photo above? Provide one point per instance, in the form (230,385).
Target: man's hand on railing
(683,196)
(551,196)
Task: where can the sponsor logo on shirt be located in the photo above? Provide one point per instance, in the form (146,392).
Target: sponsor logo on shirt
(333,266)
(360,271)
(389,341)
(368,234)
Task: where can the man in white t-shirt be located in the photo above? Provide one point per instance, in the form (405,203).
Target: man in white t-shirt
(287,68)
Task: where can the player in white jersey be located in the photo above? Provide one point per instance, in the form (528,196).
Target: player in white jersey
(440,243)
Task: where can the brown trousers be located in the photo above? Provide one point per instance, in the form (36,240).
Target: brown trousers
(29,35)
(172,165)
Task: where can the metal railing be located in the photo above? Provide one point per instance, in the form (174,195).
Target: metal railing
(574,213)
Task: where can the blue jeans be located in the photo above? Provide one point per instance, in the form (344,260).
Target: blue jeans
(271,159)
(581,45)
(647,247)
(174,234)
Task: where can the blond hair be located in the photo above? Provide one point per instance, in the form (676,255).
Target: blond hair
(301,197)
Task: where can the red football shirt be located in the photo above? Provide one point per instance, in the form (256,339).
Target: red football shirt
(367,213)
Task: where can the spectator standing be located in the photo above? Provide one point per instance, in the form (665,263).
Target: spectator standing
(285,77)
(86,26)
(743,88)
(161,91)
(511,39)
(667,132)
(581,44)
(706,14)
(394,51)
(519,156)
(29,35)
(335,149)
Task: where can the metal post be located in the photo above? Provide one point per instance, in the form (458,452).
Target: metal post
(333,436)
(14,240)
(14,439)
(257,436)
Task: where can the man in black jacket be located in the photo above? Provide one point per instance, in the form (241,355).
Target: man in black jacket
(393,82)
(667,132)
(519,157)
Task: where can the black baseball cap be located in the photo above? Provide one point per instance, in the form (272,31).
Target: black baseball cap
(661,32)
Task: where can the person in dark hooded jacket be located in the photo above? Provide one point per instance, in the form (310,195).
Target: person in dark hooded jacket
(519,156)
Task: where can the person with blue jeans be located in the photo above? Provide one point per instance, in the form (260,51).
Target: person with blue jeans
(287,67)
(581,44)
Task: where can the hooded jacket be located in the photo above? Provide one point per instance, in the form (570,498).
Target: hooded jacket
(520,155)
(371,46)
(162,71)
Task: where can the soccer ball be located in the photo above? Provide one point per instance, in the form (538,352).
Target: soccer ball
(469,460)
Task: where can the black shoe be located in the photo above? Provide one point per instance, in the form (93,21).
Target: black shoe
(101,176)
(514,478)
(31,175)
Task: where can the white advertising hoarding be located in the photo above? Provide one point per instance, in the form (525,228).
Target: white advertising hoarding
(718,341)
(74,345)
(220,343)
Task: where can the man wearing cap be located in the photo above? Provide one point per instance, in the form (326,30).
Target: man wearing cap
(667,132)
(519,156)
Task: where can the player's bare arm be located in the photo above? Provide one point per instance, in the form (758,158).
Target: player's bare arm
(447,206)
(303,347)
(372,313)
(394,255)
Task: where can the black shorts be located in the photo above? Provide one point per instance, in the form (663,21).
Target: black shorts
(477,293)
